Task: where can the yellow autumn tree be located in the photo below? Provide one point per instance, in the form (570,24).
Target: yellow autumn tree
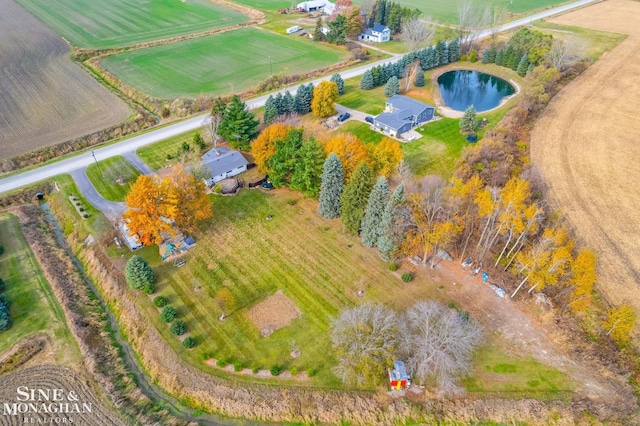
(619,323)
(325,95)
(583,276)
(192,203)
(264,146)
(350,150)
(150,203)
(385,157)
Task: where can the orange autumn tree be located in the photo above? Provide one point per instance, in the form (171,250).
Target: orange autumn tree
(264,146)
(193,205)
(350,150)
(385,157)
(149,202)
(325,95)
(155,205)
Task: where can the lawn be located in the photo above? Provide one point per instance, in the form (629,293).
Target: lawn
(369,101)
(361,130)
(105,175)
(446,11)
(34,308)
(224,63)
(116,23)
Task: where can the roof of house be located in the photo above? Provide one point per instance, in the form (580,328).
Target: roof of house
(399,103)
(395,120)
(380,28)
(221,160)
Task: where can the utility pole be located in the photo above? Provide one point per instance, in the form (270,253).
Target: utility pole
(94,159)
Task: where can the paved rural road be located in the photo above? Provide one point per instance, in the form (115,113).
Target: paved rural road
(130,145)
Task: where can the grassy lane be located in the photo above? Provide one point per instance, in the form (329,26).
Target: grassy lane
(116,23)
(105,175)
(34,308)
(219,64)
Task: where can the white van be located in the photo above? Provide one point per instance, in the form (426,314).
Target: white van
(294,29)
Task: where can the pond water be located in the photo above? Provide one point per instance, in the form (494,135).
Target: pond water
(462,88)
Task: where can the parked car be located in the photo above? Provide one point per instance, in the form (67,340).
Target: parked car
(369,119)
(343,116)
(302,33)
(267,185)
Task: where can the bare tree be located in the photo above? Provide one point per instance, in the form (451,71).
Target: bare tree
(472,20)
(211,124)
(498,13)
(565,52)
(417,33)
(437,343)
(364,341)
(410,74)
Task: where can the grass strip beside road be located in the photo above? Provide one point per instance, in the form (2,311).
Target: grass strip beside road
(105,176)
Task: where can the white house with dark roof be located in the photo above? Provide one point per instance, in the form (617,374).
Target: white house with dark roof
(223,163)
(378,34)
(402,114)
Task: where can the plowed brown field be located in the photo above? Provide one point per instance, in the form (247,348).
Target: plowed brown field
(44,97)
(587,145)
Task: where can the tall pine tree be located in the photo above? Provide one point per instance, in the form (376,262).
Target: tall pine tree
(306,176)
(392,87)
(288,104)
(270,110)
(454,50)
(371,221)
(387,242)
(331,187)
(303,99)
(238,126)
(354,198)
(468,122)
(337,79)
(367,81)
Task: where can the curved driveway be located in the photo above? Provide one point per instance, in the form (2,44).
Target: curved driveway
(131,144)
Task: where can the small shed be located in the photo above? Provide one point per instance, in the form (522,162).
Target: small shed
(398,377)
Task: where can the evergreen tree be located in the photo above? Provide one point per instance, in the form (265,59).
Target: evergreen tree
(303,99)
(468,122)
(530,67)
(436,58)
(486,55)
(500,58)
(367,81)
(378,199)
(392,87)
(387,242)
(138,273)
(5,318)
(270,110)
(418,81)
(307,171)
(492,55)
(398,69)
(354,198)
(282,163)
(381,12)
(454,50)
(279,101)
(318,35)
(238,126)
(288,103)
(523,65)
(388,71)
(331,187)
(377,76)
(423,57)
(338,30)
(443,54)
(337,79)
(199,141)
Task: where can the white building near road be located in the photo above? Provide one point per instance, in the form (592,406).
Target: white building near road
(377,34)
(317,5)
(223,163)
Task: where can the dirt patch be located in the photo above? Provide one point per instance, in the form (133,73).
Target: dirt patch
(585,145)
(273,313)
(46,99)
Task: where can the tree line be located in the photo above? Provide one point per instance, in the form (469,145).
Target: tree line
(5,316)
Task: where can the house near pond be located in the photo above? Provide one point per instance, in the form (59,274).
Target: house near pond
(223,163)
(402,114)
(378,34)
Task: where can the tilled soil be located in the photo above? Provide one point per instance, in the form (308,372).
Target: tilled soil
(586,146)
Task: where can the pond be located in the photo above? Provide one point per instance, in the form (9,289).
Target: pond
(462,88)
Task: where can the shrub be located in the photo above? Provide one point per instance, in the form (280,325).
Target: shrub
(275,370)
(139,273)
(86,215)
(407,277)
(160,301)
(237,366)
(255,370)
(221,363)
(2,285)
(473,55)
(393,266)
(168,314)
(149,288)
(189,342)
(5,319)
(217,189)
(178,328)
(311,372)
(81,209)
(294,371)
(4,302)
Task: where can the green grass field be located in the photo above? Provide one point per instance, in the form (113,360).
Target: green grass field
(116,23)
(267,5)
(34,308)
(104,178)
(223,63)
(446,11)
(318,267)
(157,155)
